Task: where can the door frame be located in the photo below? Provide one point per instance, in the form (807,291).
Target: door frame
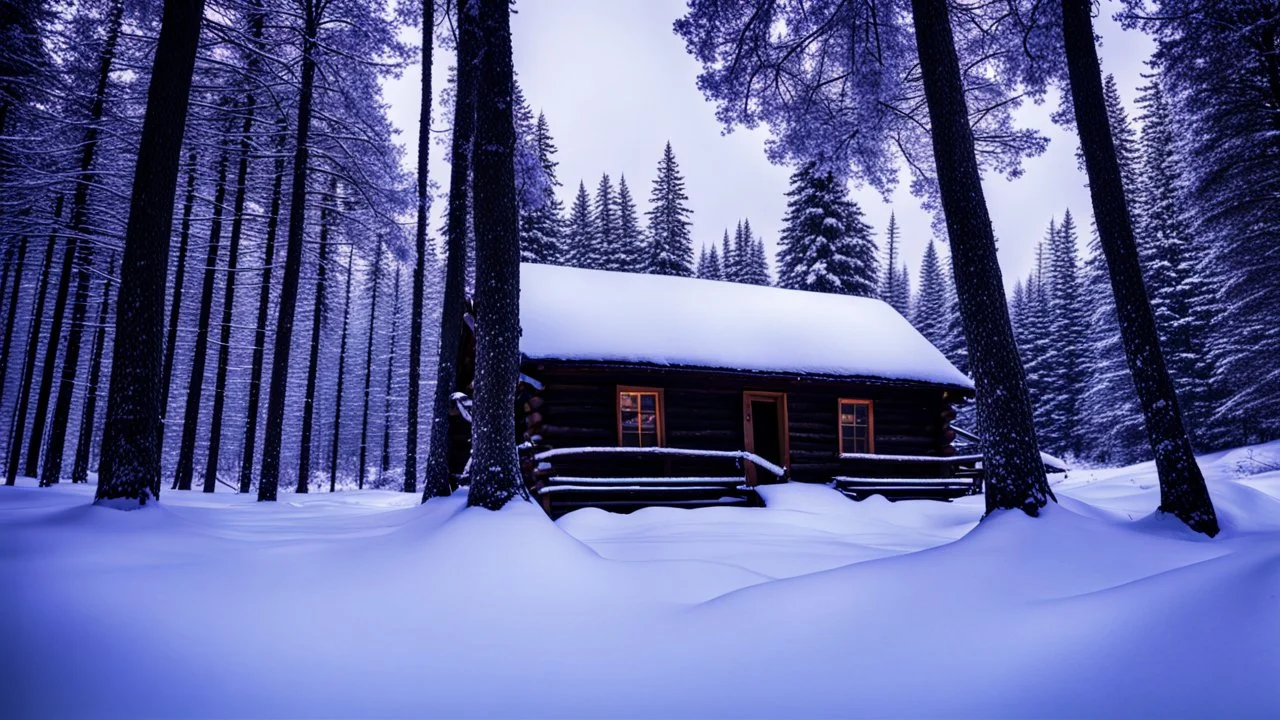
(748,428)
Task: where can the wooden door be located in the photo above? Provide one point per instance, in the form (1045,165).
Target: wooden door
(765,431)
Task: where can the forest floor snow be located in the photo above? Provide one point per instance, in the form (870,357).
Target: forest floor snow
(361,604)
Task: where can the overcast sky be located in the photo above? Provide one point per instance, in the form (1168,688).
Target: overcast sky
(616,84)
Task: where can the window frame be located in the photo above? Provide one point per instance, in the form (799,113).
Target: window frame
(659,412)
(871,425)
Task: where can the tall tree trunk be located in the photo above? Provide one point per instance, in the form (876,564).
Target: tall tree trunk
(495,467)
(420,264)
(130,465)
(179,280)
(437,482)
(317,320)
(89,414)
(249,445)
(1182,488)
(249,109)
(269,480)
(342,374)
(1015,477)
(391,364)
(11,313)
(368,366)
(77,229)
(33,348)
(51,471)
(200,353)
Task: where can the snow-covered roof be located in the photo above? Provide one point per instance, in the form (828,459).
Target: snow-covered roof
(595,315)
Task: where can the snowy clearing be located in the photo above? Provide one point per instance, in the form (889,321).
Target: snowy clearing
(365,604)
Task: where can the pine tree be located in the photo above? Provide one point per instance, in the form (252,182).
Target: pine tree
(631,249)
(825,244)
(895,283)
(418,300)
(580,234)
(1035,340)
(953,342)
(541,224)
(1219,66)
(1112,421)
(1173,261)
(757,272)
(671,246)
(88,413)
(1067,350)
(130,467)
(375,283)
(438,482)
(709,264)
(1182,488)
(930,313)
(342,373)
(495,467)
(607,246)
(328,200)
(728,262)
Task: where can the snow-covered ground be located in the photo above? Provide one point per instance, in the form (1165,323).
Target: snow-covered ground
(364,604)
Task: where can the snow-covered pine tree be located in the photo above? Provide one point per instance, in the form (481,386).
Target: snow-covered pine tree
(930,313)
(604,219)
(1218,65)
(825,245)
(1183,492)
(895,285)
(631,251)
(1111,420)
(580,233)
(1173,261)
(742,251)
(953,342)
(1035,339)
(728,262)
(705,271)
(670,243)
(541,225)
(758,270)
(1067,351)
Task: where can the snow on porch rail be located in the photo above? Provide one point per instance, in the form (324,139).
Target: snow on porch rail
(735,454)
(911,458)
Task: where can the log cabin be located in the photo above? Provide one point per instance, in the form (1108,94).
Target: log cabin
(640,390)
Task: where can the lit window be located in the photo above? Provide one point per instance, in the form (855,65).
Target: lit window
(856,434)
(639,417)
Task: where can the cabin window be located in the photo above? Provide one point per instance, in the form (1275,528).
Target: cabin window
(856,427)
(639,417)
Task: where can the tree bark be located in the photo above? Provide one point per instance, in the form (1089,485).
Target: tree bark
(130,465)
(342,374)
(249,446)
(200,353)
(1182,488)
(495,466)
(437,482)
(1014,472)
(391,364)
(179,280)
(16,432)
(420,264)
(249,109)
(368,366)
(88,415)
(76,251)
(317,319)
(269,479)
(11,313)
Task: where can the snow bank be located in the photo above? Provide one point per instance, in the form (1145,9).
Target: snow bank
(575,314)
(367,604)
